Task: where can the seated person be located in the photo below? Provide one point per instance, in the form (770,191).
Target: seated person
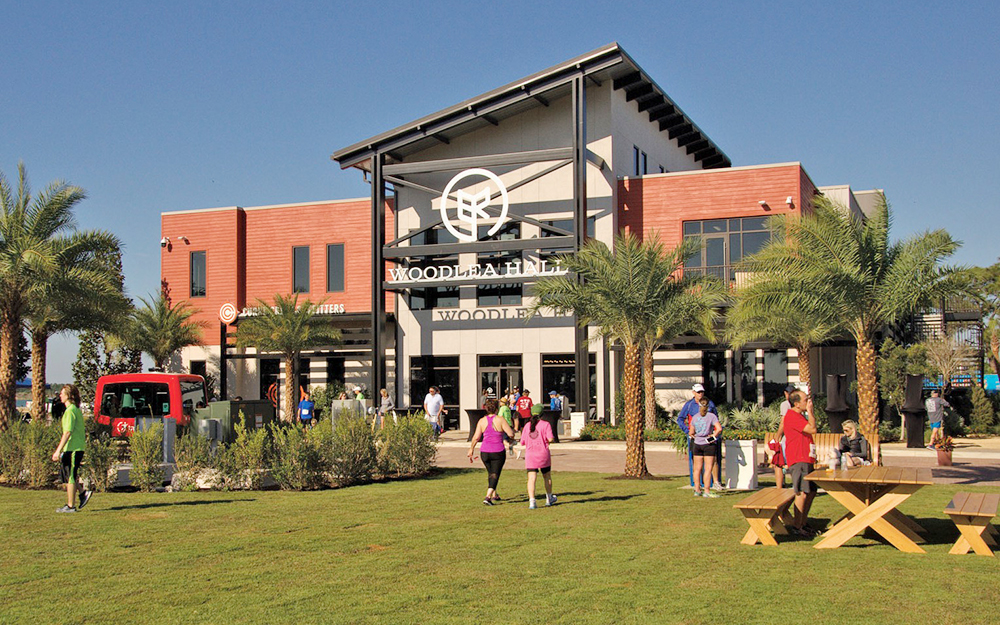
(853,450)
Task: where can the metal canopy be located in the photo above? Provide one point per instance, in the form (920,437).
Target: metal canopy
(609,62)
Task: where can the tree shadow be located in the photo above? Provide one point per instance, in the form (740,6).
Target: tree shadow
(171,504)
(967,473)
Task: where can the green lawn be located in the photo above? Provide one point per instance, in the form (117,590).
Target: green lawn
(428,551)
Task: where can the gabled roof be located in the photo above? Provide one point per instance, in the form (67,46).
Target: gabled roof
(609,62)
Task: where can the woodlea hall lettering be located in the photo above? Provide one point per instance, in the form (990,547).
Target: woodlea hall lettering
(515,269)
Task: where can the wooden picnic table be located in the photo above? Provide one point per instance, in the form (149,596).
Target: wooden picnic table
(872,496)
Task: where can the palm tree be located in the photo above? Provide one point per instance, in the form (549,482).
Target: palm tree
(28,256)
(287,327)
(689,305)
(85,292)
(772,307)
(160,328)
(622,293)
(851,266)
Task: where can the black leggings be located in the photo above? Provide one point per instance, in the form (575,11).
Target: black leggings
(494,465)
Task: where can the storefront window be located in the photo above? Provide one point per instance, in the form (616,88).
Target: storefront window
(775,374)
(713,370)
(748,376)
(439,371)
(559,375)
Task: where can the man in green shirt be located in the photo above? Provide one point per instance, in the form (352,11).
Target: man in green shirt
(69,451)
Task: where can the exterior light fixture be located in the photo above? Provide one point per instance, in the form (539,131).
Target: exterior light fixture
(763,204)
(164,242)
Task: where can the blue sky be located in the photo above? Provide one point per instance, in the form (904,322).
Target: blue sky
(168,106)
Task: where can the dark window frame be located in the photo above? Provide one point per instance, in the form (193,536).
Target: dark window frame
(296,288)
(330,284)
(191,273)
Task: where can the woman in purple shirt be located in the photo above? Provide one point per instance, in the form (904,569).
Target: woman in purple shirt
(491,429)
(704,429)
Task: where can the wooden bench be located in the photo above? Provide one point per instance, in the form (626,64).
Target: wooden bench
(972,513)
(766,511)
(825,442)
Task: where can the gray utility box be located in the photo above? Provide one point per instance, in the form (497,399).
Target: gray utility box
(257,414)
(169,433)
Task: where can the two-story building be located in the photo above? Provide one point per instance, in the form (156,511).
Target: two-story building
(430,277)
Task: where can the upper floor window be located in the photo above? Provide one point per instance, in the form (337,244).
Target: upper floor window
(334,267)
(300,269)
(198,274)
(644,163)
(725,243)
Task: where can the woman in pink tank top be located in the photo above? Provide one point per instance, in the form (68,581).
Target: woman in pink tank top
(536,436)
(490,430)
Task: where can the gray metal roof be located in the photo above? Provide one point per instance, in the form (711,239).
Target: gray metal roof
(609,62)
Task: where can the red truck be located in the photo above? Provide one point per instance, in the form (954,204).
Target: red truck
(121,398)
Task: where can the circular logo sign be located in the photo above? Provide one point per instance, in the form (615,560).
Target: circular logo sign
(228,313)
(469,208)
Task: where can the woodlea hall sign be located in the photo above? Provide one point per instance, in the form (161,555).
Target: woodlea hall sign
(514,269)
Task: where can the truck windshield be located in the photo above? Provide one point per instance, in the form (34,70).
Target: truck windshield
(132,399)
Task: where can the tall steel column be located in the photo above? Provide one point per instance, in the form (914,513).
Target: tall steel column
(378,275)
(580,230)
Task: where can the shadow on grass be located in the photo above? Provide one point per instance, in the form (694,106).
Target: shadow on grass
(597,499)
(171,504)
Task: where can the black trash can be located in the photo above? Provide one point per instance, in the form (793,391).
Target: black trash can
(914,429)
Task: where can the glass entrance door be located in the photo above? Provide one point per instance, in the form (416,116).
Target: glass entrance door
(489,385)
(498,374)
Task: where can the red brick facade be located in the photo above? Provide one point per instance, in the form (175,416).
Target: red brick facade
(249,255)
(664,202)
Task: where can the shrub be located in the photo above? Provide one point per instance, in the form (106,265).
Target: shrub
(244,463)
(11,453)
(38,441)
(192,452)
(147,454)
(298,461)
(752,417)
(354,455)
(887,432)
(99,462)
(406,447)
(982,415)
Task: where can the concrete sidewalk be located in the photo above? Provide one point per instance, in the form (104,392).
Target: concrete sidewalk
(974,463)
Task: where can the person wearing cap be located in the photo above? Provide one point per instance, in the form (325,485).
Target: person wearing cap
(555,401)
(523,407)
(689,410)
(787,405)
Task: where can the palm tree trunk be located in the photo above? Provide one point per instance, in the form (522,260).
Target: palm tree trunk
(805,373)
(867,389)
(289,414)
(649,387)
(10,325)
(635,452)
(39,351)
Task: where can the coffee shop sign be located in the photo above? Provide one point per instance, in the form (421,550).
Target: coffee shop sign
(515,269)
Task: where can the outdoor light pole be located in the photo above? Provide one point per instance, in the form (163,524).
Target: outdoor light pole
(580,231)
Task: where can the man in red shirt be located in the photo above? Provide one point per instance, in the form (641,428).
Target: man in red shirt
(799,454)
(524,404)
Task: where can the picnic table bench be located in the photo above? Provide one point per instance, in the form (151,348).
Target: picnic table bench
(972,513)
(766,510)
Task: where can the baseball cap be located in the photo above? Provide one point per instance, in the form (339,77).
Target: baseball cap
(790,388)
(553,393)
(698,388)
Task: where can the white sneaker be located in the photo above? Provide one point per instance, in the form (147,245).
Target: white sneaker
(532,505)
(550,500)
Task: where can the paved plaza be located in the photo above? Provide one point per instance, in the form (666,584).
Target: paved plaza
(975,461)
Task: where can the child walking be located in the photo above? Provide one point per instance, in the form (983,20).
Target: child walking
(536,437)
(69,451)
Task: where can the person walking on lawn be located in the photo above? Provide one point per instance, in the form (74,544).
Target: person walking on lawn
(536,437)
(799,454)
(491,430)
(507,416)
(69,451)
(935,405)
